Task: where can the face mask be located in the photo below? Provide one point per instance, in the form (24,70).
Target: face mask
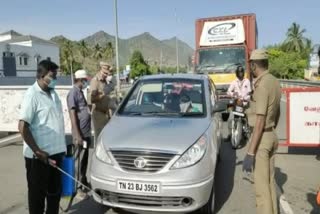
(109,78)
(252,68)
(52,83)
(84,84)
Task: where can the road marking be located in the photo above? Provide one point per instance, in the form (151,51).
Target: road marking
(284,203)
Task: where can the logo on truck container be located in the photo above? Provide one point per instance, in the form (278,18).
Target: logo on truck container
(222,33)
(221,29)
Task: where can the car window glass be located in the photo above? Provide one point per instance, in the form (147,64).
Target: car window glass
(166,97)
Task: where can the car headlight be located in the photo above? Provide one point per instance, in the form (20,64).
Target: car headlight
(193,154)
(102,154)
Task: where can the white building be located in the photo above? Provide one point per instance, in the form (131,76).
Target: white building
(20,54)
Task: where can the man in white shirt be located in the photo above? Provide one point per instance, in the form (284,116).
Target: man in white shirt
(241,86)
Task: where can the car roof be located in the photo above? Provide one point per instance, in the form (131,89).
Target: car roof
(175,76)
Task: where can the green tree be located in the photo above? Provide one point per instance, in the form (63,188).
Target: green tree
(286,65)
(290,59)
(154,69)
(108,52)
(139,67)
(307,49)
(97,52)
(83,50)
(295,40)
(67,57)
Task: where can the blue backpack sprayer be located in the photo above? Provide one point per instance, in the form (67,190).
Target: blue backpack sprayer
(70,183)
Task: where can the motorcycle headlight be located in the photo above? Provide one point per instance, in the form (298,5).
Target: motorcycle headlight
(102,154)
(193,154)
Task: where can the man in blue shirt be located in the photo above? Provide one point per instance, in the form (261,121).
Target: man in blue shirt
(41,125)
(80,121)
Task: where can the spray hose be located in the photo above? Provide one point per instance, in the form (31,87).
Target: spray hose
(77,151)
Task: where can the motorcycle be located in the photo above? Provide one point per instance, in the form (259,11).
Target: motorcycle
(240,130)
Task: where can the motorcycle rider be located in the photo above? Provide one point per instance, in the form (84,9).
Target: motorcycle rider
(241,87)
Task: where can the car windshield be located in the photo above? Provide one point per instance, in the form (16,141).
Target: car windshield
(221,59)
(166,97)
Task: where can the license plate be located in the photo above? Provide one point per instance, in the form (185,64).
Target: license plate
(138,187)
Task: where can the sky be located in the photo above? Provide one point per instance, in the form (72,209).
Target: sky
(77,19)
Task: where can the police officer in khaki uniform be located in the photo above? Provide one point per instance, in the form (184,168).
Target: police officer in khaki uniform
(263,116)
(101,86)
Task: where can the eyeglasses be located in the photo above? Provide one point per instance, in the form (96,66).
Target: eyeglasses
(105,73)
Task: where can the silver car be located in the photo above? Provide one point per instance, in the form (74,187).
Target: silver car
(159,151)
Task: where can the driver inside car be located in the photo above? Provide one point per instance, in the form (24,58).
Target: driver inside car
(171,102)
(186,105)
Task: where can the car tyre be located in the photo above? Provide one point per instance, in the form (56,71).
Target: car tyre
(208,208)
(103,208)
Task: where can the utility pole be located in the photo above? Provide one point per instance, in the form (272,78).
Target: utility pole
(161,58)
(177,46)
(117,46)
(71,68)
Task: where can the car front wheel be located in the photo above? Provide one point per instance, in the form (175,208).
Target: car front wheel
(208,208)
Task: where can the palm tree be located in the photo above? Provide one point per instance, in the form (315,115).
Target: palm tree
(295,39)
(109,52)
(84,50)
(308,48)
(67,55)
(97,52)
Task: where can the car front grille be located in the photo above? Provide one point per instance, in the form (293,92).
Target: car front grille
(153,161)
(147,201)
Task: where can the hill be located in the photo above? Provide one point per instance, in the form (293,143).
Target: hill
(150,47)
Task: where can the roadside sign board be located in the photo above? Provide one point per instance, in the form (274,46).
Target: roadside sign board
(303,117)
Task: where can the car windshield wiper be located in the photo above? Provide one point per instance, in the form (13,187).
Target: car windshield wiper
(234,64)
(191,114)
(161,113)
(132,113)
(177,114)
(206,66)
(152,113)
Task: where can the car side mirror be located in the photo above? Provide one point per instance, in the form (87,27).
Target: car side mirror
(219,107)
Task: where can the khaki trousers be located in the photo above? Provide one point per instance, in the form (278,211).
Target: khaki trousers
(99,120)
(264,174)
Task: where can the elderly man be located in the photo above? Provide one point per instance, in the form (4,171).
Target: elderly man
(80,121)
(101,87)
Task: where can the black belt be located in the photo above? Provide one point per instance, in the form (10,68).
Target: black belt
(270,129)
(101,111)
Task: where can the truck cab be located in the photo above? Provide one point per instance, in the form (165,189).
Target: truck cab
(222,44)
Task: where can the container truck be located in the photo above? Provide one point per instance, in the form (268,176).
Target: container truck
(223,43)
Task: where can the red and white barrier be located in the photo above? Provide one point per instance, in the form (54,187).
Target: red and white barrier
(303,117)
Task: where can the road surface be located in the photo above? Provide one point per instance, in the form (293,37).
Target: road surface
(297,175)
